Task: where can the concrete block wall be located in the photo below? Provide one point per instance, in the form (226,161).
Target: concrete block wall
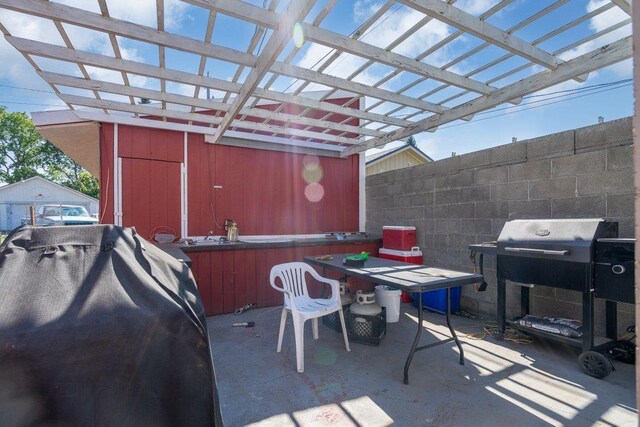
(454,202)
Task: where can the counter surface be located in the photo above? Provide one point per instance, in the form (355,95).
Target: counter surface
(212,245)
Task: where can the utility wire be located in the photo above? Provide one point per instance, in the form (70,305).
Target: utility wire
(31,103)
(580,88)
(532,107)
(27,88)
(591,88)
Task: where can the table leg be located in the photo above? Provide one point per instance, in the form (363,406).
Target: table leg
(453,333)
(416,340)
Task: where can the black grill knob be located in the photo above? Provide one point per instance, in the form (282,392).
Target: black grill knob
(618,269)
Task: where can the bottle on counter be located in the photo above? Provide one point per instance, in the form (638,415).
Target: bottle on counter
(232,232)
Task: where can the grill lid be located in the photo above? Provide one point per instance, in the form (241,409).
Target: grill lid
(561,239)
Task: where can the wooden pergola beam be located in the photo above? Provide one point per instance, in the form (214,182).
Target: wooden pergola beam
(482,29)
(296,12)
(47,50)
(203,104)
(106,24)
(270,19)
(605,56)
(625,5)
(197,117)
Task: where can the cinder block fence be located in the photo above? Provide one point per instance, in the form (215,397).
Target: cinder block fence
(454,202)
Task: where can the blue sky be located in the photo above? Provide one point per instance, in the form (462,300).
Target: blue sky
(22,90)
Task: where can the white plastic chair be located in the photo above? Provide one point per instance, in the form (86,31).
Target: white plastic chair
(302,306)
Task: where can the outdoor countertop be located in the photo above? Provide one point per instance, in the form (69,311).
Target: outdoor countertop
(212,245)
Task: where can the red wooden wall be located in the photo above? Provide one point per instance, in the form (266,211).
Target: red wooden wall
(151,160)
(264,191)
(228,280)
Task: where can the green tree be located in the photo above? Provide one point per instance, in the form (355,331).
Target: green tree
(24,153)
(20,147)
(411,141)
(60,168)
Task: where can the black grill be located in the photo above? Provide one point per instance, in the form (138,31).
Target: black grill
(614,273)
(556,253)
(576,254)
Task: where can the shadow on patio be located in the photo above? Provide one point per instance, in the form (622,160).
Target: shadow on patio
(502,383)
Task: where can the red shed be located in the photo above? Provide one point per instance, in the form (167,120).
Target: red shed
(166,175)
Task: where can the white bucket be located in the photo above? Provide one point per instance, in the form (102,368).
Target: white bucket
(390,299)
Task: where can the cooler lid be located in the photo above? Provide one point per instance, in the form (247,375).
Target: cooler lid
(399,227)
(415,251)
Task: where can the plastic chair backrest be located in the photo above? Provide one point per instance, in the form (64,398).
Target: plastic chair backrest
(292,277)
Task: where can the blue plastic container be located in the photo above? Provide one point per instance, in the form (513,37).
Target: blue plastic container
(437,300)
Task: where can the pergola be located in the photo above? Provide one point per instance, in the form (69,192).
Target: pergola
(493,65)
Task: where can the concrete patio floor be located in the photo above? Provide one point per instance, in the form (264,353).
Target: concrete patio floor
(501,383)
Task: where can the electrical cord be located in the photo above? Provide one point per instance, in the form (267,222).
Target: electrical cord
(490,328)
(106,192)
(162,229)
(211,190)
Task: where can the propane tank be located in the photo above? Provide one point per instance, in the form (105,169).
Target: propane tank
(345,296)
(365,304)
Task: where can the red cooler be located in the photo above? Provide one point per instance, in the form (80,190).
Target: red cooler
(414,256)
(399,238)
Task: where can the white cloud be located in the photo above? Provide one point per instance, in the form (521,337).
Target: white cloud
(363,9)
(600,23)
(475,7)
(389,27)
(21,74)
(144,11)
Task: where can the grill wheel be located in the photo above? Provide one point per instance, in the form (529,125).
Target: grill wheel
(595,364)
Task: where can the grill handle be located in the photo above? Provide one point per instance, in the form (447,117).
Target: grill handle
(537,251)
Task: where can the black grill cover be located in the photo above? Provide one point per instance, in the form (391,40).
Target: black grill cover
(100,327)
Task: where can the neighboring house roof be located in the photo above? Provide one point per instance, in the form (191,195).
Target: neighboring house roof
(34,179)
(375,158)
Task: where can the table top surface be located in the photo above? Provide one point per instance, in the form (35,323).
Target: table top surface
(397,274)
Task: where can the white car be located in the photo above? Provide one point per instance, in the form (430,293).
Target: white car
(63,215)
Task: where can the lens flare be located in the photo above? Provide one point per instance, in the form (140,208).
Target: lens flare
(298,35)
(310,161)
(313,175)
(314,192)
(312,171)
(326,357)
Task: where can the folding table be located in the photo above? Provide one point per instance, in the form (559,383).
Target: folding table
(407,277)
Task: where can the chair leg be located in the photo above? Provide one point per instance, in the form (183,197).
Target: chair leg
(298,329)
(314,328)
(344,330)
(283,320)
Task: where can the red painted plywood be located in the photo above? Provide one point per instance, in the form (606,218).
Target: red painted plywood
(228,280)
(150,195)
(240,282)
(251,275)
(262,278)
(264,191)
(217,283)
(146,143)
